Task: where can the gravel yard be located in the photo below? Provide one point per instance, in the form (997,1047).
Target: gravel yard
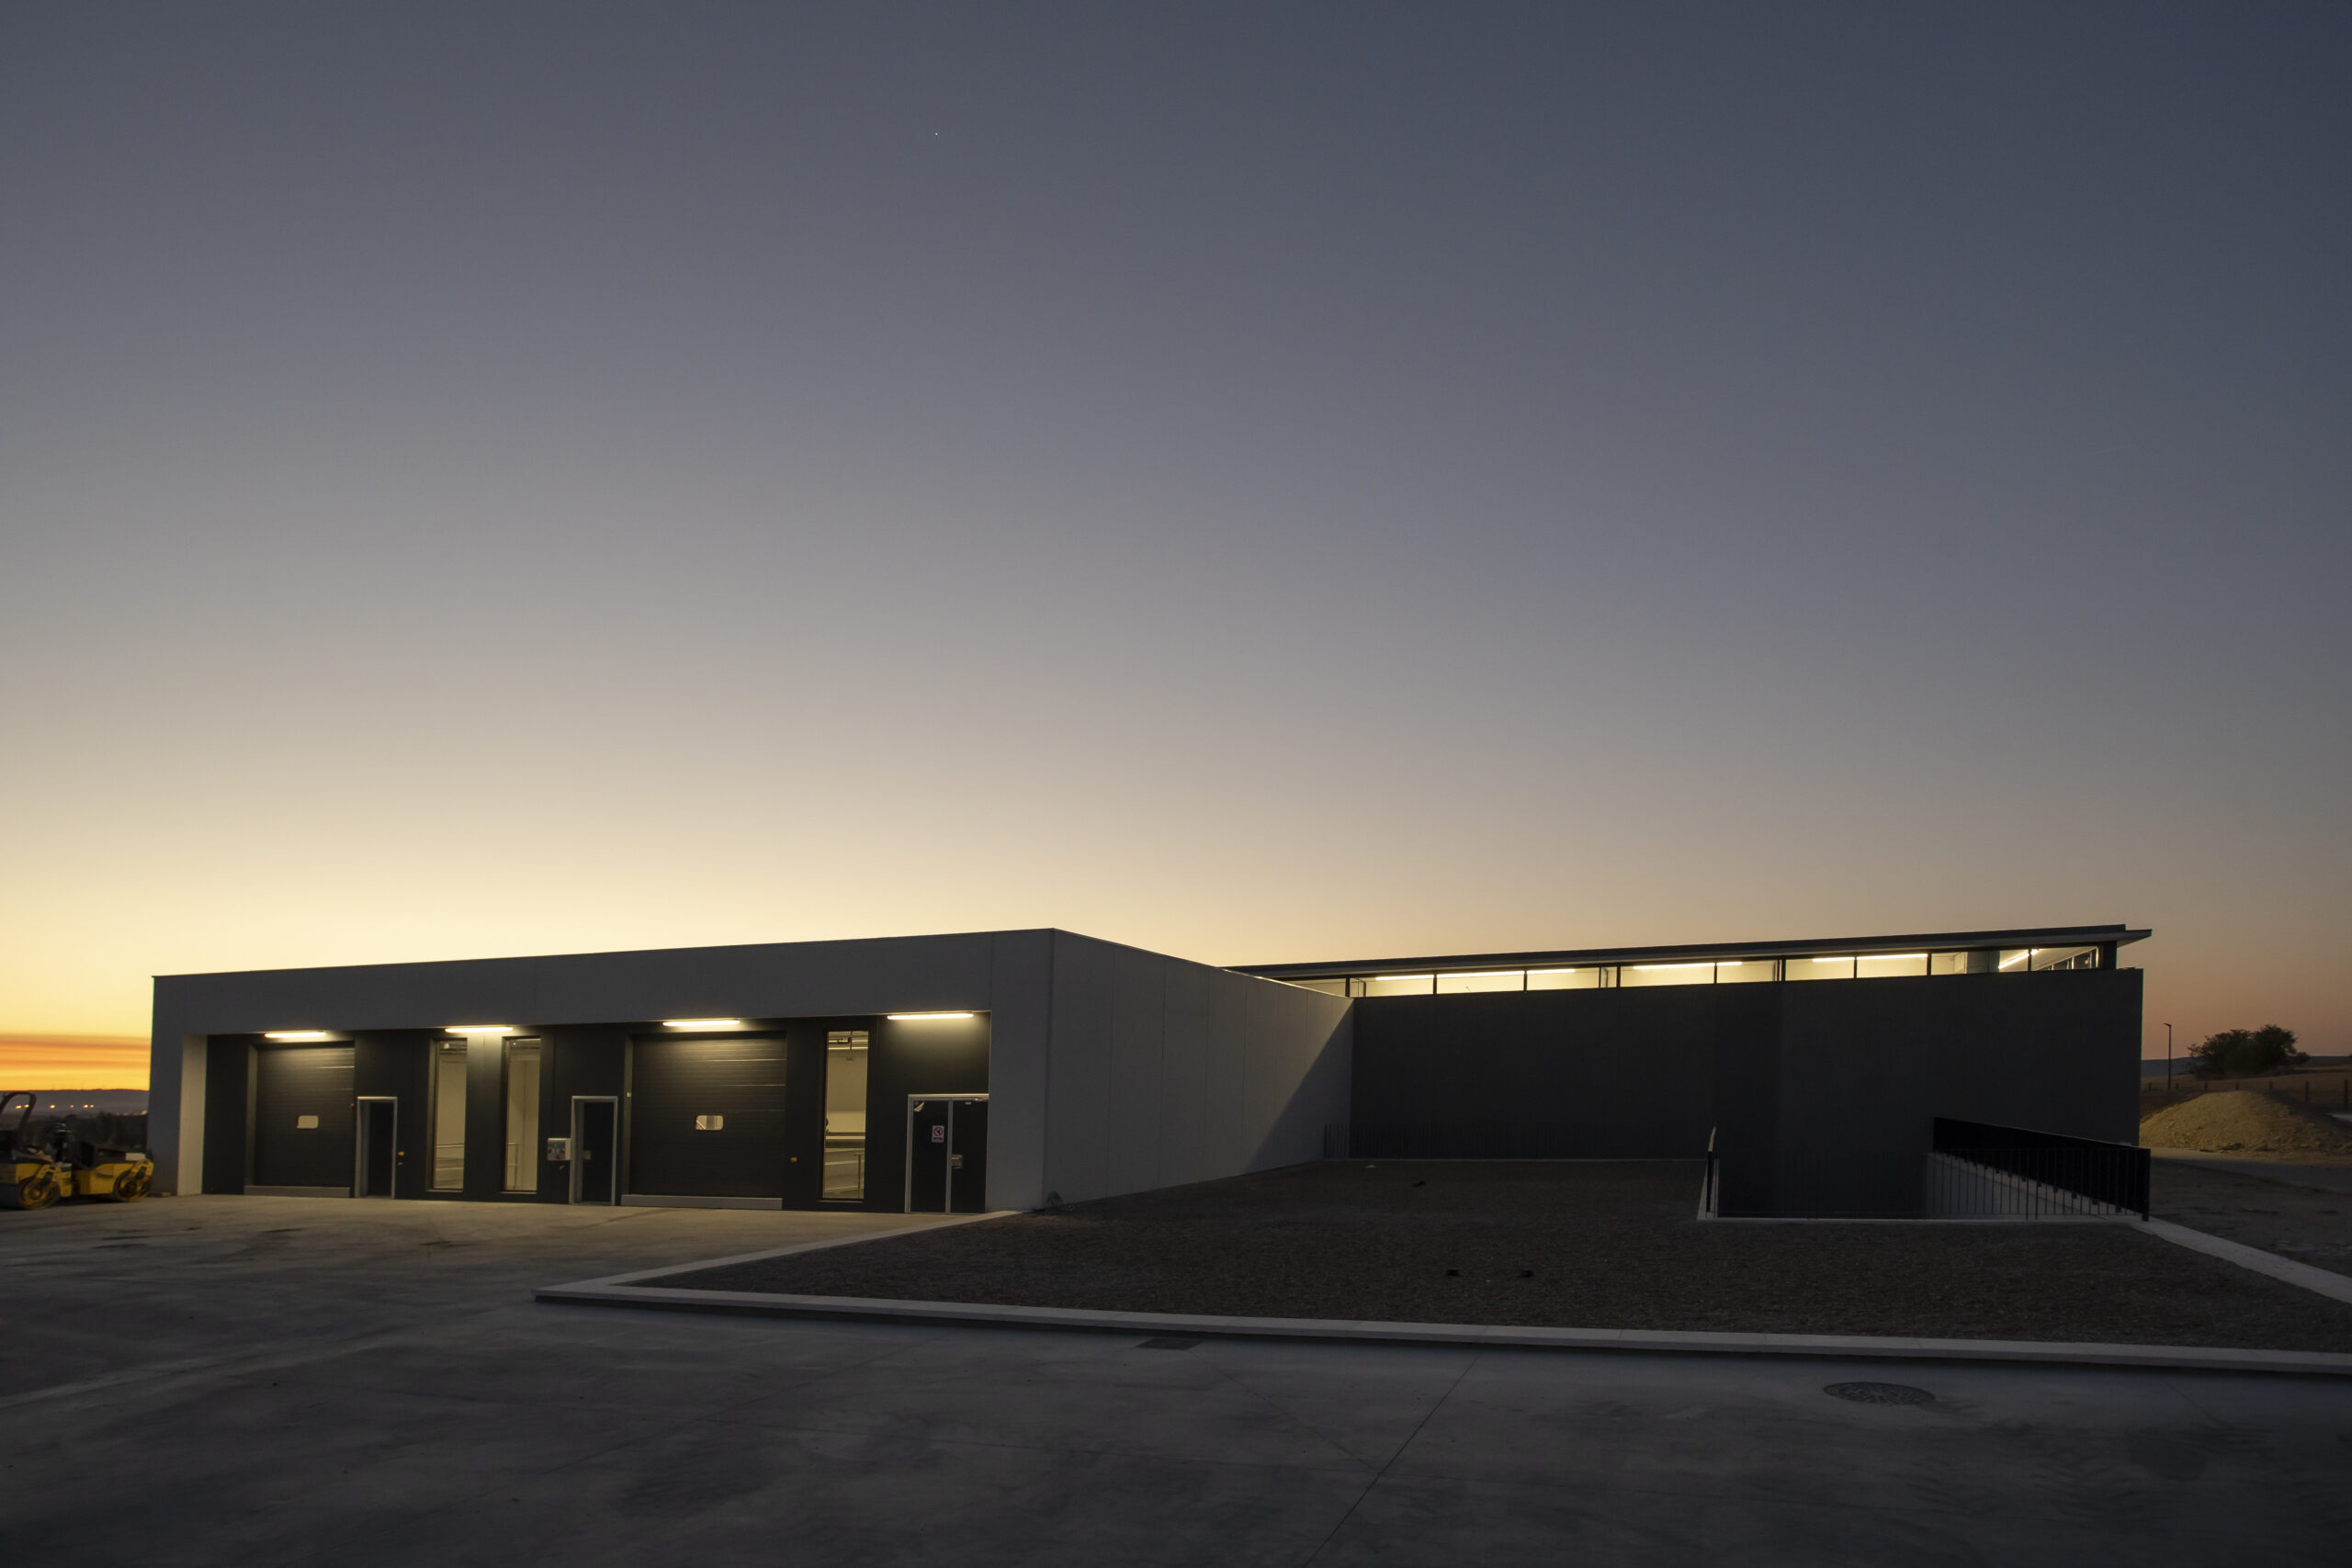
(1569,1244)
(2308,1225)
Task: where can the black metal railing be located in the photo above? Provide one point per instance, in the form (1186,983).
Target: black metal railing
(2113,1176)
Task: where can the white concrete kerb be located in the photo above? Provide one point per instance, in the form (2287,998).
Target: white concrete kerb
(635,1290)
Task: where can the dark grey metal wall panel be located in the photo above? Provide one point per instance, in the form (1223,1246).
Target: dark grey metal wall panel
(398,1063)
(1868,1065)
(227,1089)
(1821,1094)
(945,1057)
(1562,1075)
(590,1062)
(293,1083)
(737,1077)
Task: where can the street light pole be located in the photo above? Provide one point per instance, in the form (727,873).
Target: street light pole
(2167,1058)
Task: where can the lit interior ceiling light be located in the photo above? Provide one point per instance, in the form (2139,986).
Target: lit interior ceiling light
(924,1017)
(1551,971)
(297,1034)
(1848,959)
(1882,957)
(1488,975)
(481,1029)
(1399,979)
(702,1022)
(1675,966)
(2021,957)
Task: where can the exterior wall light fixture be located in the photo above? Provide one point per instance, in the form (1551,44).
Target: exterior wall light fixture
(481,1029)
(701,1023)
(297,1034)
(925,1017)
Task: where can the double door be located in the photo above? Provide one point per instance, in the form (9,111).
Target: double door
(948,1154)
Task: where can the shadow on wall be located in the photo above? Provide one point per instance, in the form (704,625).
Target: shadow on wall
(1319,1101)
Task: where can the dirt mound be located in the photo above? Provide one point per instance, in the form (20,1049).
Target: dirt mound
(2244,1119)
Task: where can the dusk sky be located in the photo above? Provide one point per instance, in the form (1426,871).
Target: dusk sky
(1258,482)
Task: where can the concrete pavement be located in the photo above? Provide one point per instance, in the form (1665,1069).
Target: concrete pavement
(217,1380)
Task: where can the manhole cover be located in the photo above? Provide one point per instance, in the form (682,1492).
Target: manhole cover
(1881,1393)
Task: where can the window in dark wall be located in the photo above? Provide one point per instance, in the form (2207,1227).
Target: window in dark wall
(847,1053)
(448,1123)
(522,1151)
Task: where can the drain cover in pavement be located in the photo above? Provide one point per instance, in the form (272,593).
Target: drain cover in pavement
(1881,1393)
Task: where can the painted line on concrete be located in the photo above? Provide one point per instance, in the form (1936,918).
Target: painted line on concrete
(2324,1281)
(1472,1336)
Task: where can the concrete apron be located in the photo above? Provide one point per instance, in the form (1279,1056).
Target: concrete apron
(636,1289)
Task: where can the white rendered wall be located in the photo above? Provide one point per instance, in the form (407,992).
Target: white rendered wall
(1165,1071)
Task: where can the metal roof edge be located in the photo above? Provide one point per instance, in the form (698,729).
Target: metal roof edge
(2031,936)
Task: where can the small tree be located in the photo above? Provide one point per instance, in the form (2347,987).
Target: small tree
(2245,1053)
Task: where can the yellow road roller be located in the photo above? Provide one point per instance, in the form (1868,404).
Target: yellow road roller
(36,1169)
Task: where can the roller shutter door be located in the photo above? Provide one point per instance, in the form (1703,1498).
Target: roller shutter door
(303,1131)
(706,1118)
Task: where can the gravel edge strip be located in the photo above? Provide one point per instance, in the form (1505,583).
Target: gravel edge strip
(699,1264)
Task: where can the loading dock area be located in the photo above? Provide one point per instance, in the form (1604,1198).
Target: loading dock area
(954,1074)
(707,1113)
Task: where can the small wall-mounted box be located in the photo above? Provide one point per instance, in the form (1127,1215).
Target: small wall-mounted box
(558,1151)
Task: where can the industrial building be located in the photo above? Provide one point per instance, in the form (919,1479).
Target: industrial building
(1015,1069)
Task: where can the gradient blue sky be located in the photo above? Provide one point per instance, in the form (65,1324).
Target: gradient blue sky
(1260,483)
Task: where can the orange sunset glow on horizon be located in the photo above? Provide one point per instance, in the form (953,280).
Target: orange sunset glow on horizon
(72,1061)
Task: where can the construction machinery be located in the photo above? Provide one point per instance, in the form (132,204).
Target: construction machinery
(39,1169)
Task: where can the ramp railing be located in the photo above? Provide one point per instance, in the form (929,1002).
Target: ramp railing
(1976,1168)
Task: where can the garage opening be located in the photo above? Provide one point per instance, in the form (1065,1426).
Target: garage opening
(304,1139)
(706,1119)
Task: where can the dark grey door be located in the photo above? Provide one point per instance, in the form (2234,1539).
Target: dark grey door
(927,1155)
(596,1149)
(303,1131)
(379,1158)
(968,1155)
(706,1117)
